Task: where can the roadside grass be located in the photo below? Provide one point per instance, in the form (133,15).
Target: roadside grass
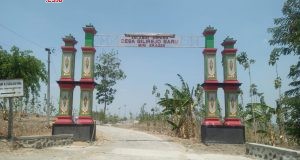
(28,125)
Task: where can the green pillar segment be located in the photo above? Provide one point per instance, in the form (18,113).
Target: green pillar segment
(66,82)
(209,37)
(209,53)
(87,83)
(89,38)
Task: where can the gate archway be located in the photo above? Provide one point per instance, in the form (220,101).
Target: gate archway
(212,128)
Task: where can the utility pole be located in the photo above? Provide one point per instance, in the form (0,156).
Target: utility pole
(48,87)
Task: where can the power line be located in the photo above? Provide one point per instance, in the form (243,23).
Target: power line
(19,35)
(27,40)
(1,42)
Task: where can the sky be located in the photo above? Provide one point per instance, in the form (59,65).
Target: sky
(35,25)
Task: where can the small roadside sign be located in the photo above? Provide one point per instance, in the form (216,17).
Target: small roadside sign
(11,88)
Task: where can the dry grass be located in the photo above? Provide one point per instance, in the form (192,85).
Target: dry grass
(158,127)
(26,126)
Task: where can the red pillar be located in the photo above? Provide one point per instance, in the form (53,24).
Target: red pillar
(211,83)
(231,84)
(87,83)
(66,82)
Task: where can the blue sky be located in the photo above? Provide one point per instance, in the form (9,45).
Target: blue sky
(245,21)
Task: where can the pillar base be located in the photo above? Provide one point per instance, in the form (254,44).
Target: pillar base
(211,122)
(63,120)
(223,134)
(85,120)
(81,132)
(232,122)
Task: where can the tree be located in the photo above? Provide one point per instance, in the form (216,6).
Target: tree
(274,57)
(292,120)
(286,41)
(180,108)
(108,72)
(143,115)
(262,113)
(243,60)
(21,64)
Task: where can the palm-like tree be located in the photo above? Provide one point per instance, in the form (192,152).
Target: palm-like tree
(243,60)
(262,113)
(179,109)
(274,57)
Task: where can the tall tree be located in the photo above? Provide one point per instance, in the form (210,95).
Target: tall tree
(21,64)
(274,57)
(108,72)
(243,60)
(286,41)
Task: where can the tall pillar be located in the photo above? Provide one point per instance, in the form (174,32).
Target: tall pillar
(87,83)
(210,84)
(66,82)
(231,84)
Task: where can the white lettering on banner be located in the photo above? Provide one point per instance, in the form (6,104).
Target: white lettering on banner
(149,40)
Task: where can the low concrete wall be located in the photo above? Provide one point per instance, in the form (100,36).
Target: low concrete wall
(261,151)
(44,141)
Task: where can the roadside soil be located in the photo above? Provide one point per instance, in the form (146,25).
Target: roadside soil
(25,125)
(36,125)
(193,144)
(118,143)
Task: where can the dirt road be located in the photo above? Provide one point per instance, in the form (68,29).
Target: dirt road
(118,144)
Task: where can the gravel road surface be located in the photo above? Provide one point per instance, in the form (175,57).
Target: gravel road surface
(118,144)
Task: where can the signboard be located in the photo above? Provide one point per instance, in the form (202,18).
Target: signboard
(149,40)
(11,88)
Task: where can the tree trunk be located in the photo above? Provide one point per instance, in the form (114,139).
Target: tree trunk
(282,135)
(105,107)
(104,110)
(252,107)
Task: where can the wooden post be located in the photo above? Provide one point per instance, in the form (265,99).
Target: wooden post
(10,120)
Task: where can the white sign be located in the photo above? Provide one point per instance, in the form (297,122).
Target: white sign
(149,40)
(11,88)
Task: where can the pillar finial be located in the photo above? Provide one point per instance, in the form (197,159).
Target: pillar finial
(69,40)
(228,43)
